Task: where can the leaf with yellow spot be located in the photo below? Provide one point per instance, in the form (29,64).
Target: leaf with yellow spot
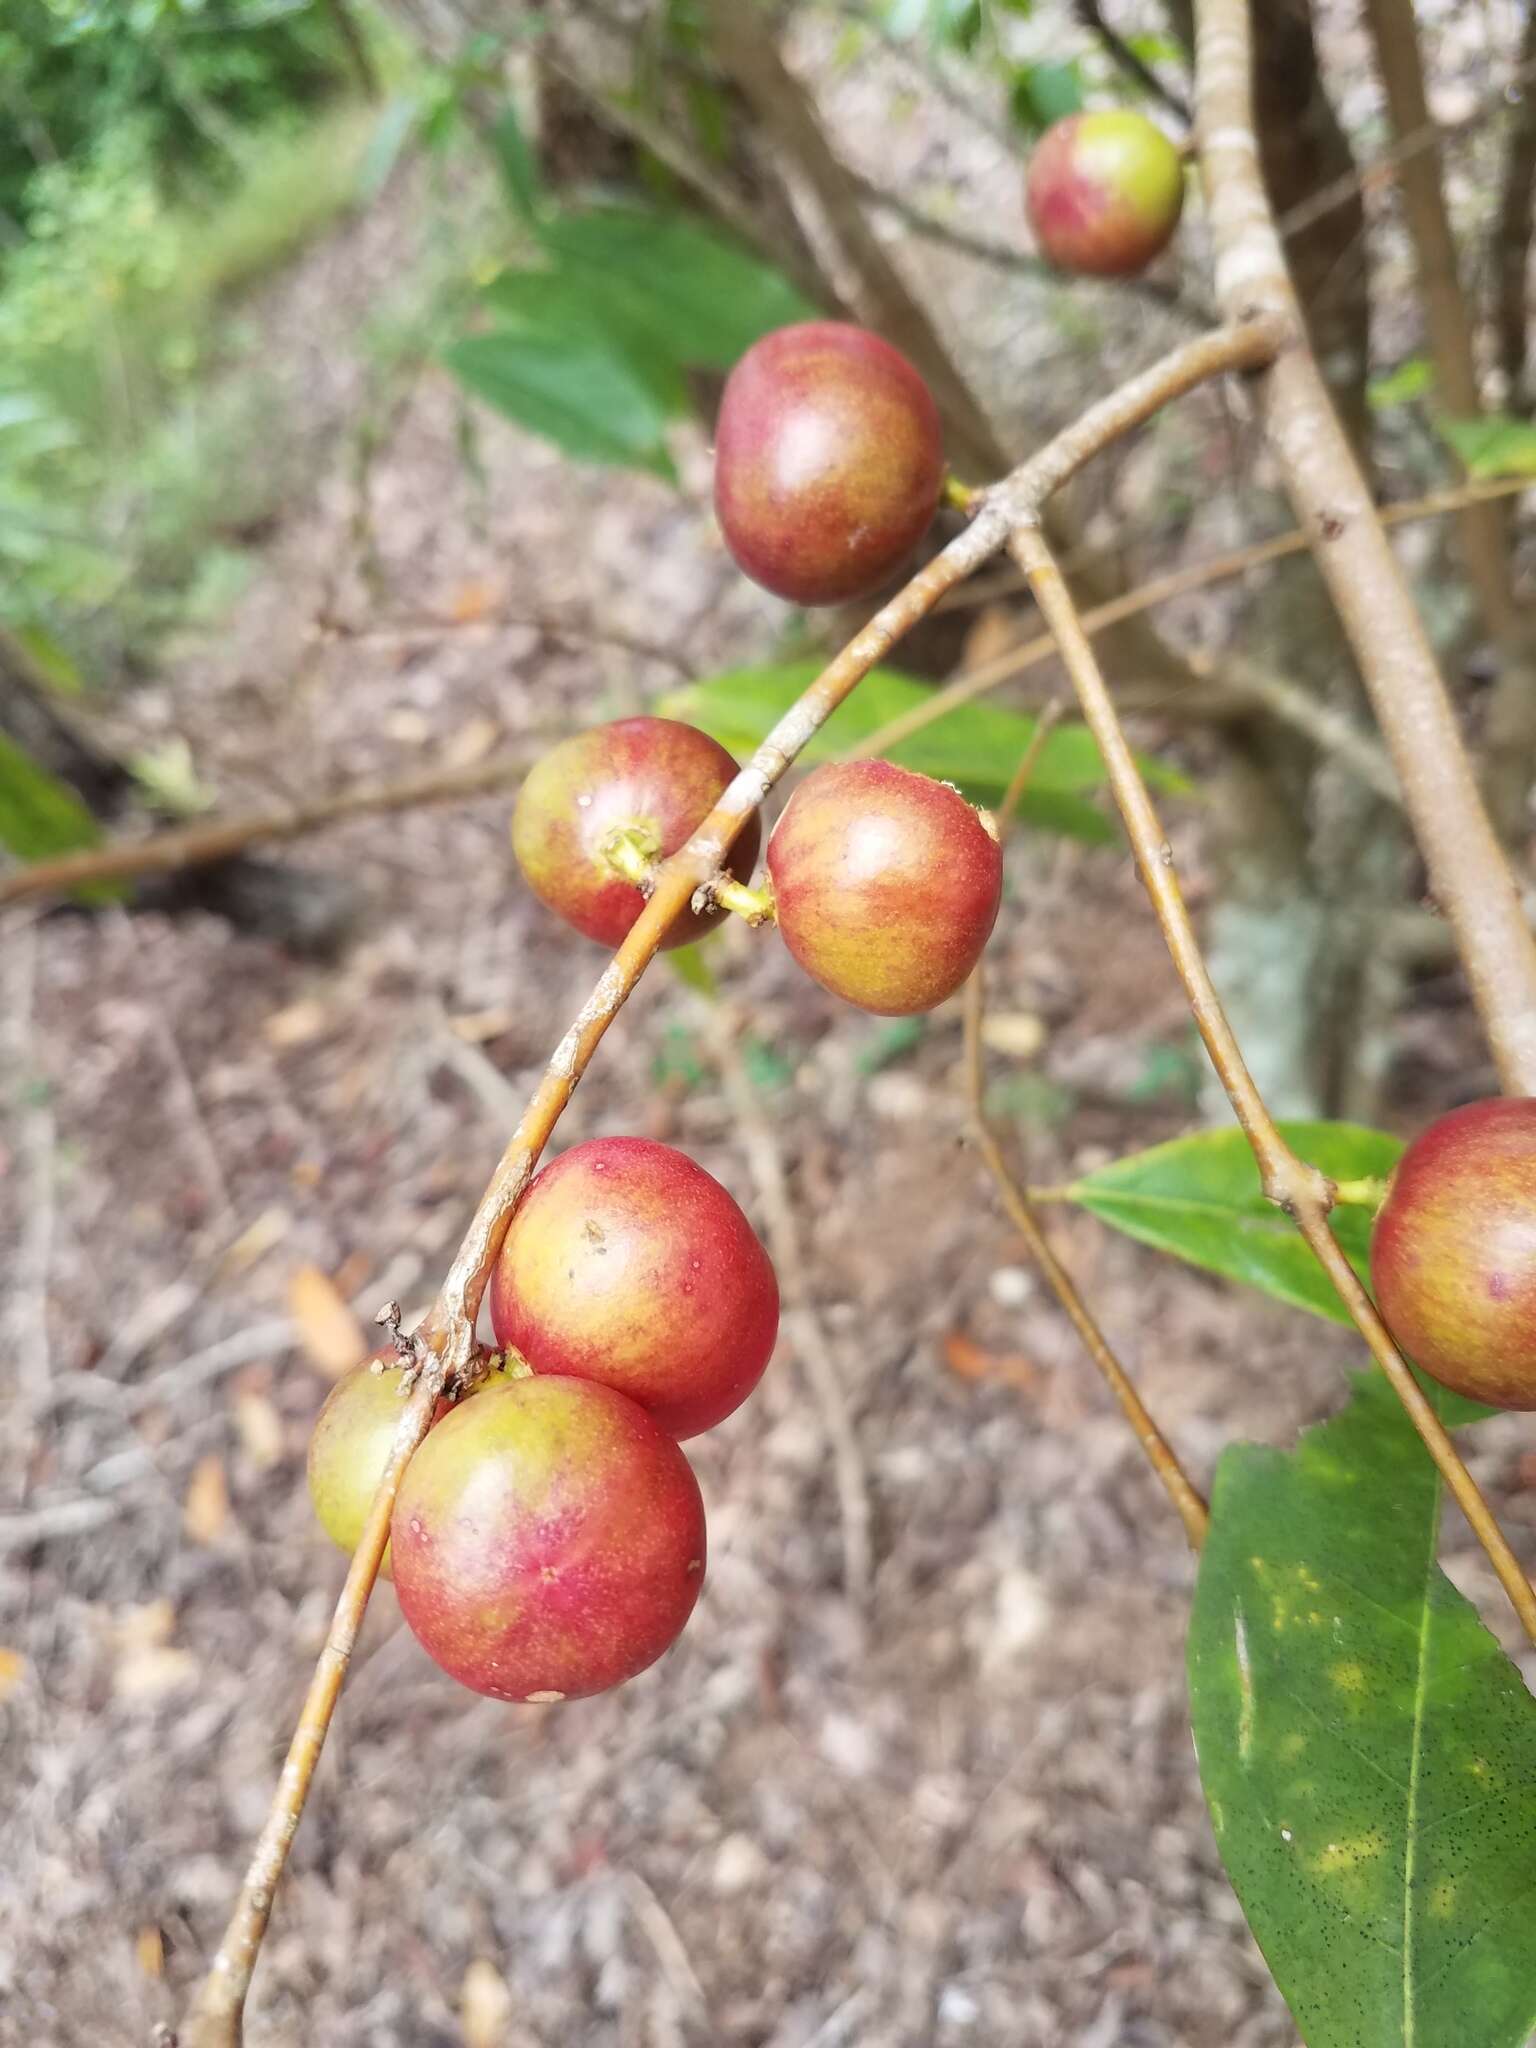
(1367,1751)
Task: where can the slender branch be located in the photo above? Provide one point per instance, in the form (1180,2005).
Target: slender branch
(1512,236)
(1305,1194)
(1091,15)
(1429,135)
(188,846)
(1467,870)
(1292,706)
(1483,528)
(444,1345)
(1187,1501)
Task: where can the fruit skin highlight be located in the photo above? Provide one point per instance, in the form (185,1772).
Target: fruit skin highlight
(655,778)
(549,1541)
(350,1447)
(886,884)
(829,461)
(1453,1252)
(1104,193)
(626,1263)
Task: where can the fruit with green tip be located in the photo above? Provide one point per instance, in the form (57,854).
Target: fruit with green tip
(351,1443)
(886,884)
(548,1540)
(1104,192)
(829,462)
(625,1262)
(648,782)
(1453,1252)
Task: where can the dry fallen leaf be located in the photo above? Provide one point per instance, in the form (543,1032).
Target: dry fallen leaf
(13,1669)
(329,1331)
(471,600)
(143,1627)
(148,1673)
(205,1511)
(972,1361)
(1015,1032)
(254,1242)
(296,1025)
(476,1026)
(149,1947)
(485,2005)
(261,1430)
(471,743)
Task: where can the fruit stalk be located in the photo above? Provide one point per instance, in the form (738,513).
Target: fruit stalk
(445,1341)
(1300,1190)
(1176,1483)
(1468,874)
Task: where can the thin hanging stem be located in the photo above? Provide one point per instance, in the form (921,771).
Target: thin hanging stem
(1305,1194)
(1160,1455)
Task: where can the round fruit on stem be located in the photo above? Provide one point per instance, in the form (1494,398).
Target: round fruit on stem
(350,1446)
(594,808)
(886,884)
(1453,1253)
(829,461)
(548,1540)
(1104,193)
(626,1263)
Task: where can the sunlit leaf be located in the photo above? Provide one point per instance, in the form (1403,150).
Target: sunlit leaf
(572,387)
(1367,1751)
(1493,446)
(1199,1198)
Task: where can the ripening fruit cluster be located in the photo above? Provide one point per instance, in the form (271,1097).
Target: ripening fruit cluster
(547,1538)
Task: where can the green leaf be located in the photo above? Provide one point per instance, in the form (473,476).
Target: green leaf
(574,388)
(51,660)
(705,296)
(1495,445)
(1408,381)
(1368,1753)
(976,746)
(41,816)
(515,161)
(1042,93)
(888,1043)
(693,970)
(1199,1198)
(554,303)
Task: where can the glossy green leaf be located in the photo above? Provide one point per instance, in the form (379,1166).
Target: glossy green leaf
(975,746)
(1367,1751)
(572,386)
(1493,446)
(1199,1198)
(709,297)
(515,161)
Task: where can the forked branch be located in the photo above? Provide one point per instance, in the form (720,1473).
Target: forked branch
(1305,1194)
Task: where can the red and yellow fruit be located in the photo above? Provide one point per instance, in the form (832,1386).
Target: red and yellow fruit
(351,1444)
(829,461)
(548,1540)
(1104,193)
(647,781)
(628,1264)
(1453,1253)
(886,884)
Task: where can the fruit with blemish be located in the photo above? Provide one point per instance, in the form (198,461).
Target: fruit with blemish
(1104,192)
(645,782)
(1453,1252)
(886,884)
(829,461)
(548,1540)
(350,1447)
(626,1263)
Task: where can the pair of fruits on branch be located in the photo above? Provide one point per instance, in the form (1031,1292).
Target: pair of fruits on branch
(548,1536)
